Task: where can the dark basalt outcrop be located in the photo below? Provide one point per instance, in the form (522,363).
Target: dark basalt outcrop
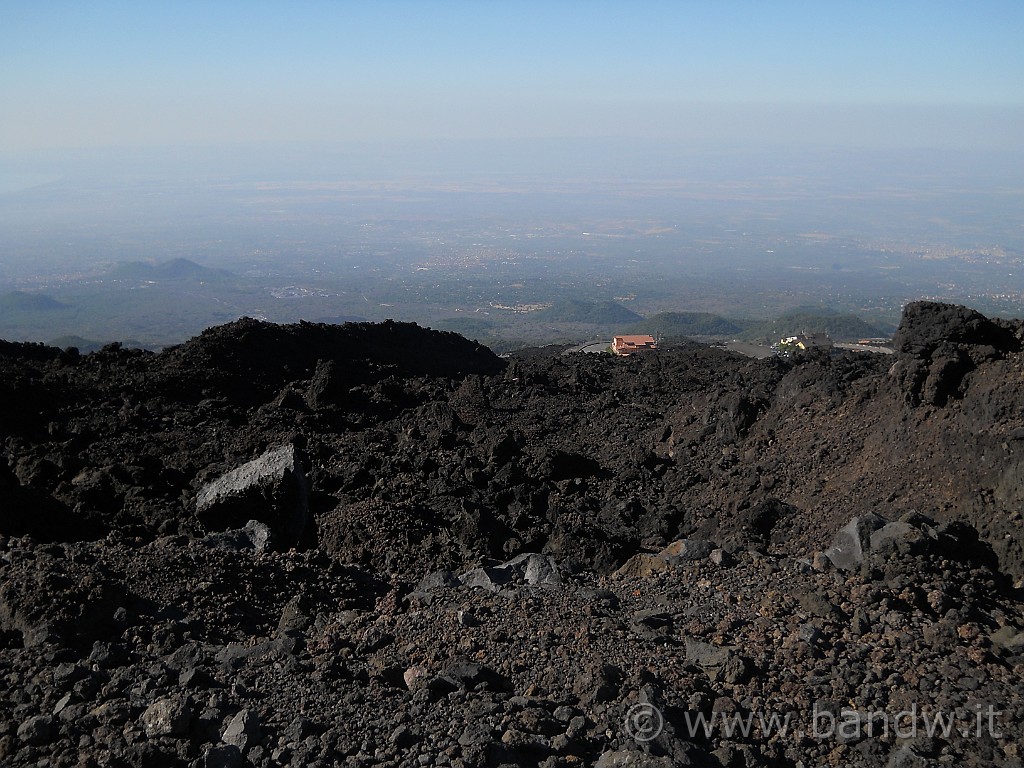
(247,360)
(360,469)
(939,344)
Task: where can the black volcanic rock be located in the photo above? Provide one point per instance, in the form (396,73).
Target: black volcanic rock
(248,359)
(27,511)
(939,344)
(926,326)
(425,455)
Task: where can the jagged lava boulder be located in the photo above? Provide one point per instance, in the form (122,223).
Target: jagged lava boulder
(939,344)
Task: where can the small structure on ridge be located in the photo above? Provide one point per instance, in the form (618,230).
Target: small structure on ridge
(627,345)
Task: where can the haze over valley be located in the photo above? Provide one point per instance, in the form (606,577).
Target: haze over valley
(492,239)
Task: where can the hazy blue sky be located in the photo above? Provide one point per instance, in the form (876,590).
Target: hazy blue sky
(141,73)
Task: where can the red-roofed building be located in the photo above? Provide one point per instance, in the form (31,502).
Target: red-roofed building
(627,345)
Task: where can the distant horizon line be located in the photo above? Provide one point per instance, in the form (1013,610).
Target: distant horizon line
(677,143)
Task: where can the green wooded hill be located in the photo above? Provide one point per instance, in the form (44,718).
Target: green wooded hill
(20,301)
(839,327)
(671,325)
(592,312)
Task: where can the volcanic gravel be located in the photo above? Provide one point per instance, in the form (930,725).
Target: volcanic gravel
(549,559)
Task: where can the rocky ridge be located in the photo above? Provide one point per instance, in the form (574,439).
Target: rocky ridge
(380,545)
